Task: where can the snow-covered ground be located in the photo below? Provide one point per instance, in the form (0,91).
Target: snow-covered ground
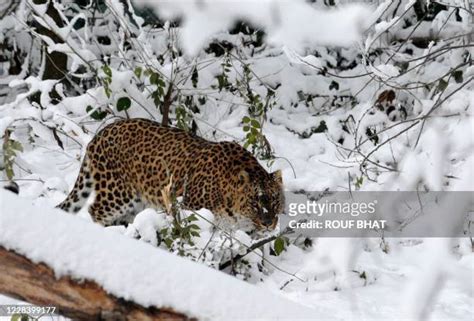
(134,270)
(379,286)
(339,278)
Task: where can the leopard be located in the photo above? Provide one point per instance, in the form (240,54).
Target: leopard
(129,163)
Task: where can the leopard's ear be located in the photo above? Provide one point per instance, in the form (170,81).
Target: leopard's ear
(277,176)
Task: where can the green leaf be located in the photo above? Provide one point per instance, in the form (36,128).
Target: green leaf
(123,103)
(108,92)
(194,77)
(154,78)
(279,245)
(138,72)
(334,85)
(246,119)
(194,227)
(161,90)
(192,218)
(372,135)
(202,100)
(321,128)
(97,114)
(442,85)
(16,145)
(9,149)
(359,181)
(9,172)
(246,128)
(220,82)
(168,242)
(107,71)
(255,123)
(16,317)
(457,75)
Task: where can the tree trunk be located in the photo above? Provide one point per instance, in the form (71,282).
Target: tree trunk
(36,283)
(167,101)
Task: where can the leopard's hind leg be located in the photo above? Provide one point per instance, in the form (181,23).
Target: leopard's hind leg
(81,191)
(113,202)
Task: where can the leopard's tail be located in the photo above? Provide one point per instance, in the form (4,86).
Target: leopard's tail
(81,191)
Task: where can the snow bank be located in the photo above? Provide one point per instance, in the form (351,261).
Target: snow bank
(134,270)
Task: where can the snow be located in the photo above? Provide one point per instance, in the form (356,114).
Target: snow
(134,270)
(390,287)
(145,225)
(280,19)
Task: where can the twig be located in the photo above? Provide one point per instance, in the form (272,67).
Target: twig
(241,243)
(255,246)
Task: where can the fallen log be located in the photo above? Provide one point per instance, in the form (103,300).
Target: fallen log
(78,300)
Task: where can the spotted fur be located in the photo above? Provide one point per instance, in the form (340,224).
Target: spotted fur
(130,162)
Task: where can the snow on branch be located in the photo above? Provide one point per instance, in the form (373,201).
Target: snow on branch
(131,270)
(282,20)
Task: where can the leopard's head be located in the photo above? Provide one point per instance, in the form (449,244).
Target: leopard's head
(262,197)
